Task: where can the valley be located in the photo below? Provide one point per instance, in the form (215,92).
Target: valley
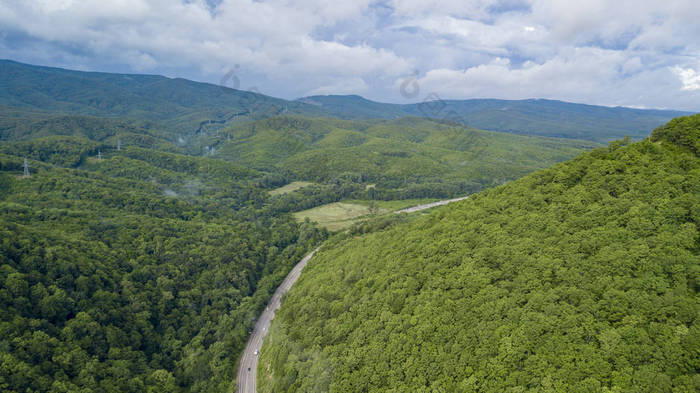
(525,245)
(247,369)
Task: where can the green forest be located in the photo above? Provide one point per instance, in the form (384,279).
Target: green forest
(578,278)
(403,158)
(151,232)
(182,107)
(143,271)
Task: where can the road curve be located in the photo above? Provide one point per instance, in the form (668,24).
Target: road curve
(249,359)
(429,205)
(247,370)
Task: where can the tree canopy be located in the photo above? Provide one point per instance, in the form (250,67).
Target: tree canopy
(578,278)
(143,271)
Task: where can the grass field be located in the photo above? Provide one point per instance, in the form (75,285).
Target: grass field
(293,186)
(338,215)
(341,215)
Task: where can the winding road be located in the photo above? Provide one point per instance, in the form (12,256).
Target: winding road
(249,359)
(247,370)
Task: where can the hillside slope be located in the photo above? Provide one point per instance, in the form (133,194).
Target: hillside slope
(190,108)
(176,104)
(531,117)
(578,278)
(139,272)
(391,153)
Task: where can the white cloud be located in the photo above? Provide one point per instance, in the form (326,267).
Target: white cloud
(689,77)
(576,73)
(265,36)
(633,52)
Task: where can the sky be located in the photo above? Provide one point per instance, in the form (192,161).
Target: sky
(637,53)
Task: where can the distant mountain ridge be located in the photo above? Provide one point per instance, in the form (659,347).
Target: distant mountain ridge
(540,117)
(188,108)
(178,104)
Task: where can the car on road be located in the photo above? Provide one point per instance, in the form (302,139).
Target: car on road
(255,353)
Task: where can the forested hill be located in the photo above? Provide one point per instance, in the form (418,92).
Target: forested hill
(421,157)
(176,104)
(142,271)
(531,117)
(186,108)
(579,278)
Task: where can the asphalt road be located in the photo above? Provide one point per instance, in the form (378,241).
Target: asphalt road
(249,359)
(429,205)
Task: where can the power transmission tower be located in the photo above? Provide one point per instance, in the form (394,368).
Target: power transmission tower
(99,154)
(119,144)
(26,168)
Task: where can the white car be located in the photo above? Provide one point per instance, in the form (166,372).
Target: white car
(255,353)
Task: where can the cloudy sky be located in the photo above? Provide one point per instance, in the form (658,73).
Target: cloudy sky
(640,53)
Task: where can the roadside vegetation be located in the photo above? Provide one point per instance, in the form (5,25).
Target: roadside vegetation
(578,278)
